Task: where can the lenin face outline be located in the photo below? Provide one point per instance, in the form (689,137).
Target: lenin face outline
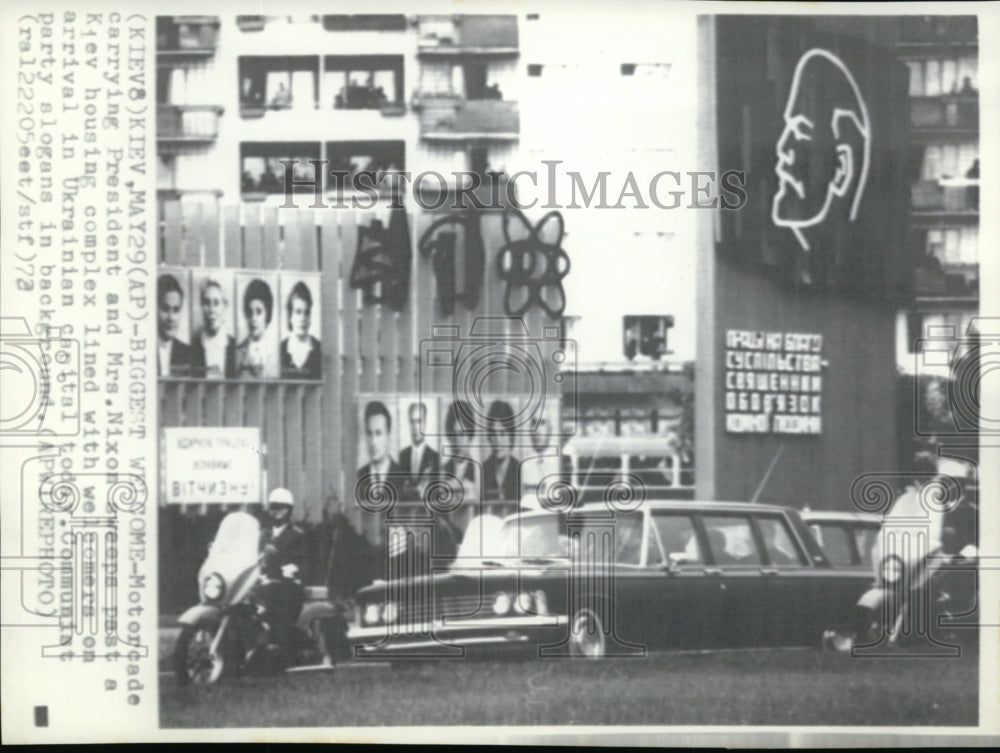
(824,149)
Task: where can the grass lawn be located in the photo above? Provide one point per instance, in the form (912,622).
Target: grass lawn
(722,688)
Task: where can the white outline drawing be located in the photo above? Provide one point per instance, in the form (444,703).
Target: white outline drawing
(843,177)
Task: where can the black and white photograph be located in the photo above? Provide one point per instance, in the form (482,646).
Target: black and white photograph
(542,372)
(173,322)
(301,353)
(257,326)
(213,322)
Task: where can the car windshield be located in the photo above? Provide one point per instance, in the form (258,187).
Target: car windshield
(535,536)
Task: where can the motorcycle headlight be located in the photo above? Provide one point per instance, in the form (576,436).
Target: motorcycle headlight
(390,612)
(371,614)
(892,569)
(502,603)
(523,603)
(214,587)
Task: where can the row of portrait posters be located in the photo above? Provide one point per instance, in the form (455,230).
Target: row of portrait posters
(228,324)
(415,438)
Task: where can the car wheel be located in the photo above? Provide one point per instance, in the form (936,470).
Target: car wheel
(586,635)
(194,662)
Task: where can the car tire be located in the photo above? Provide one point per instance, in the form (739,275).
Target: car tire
(586,635)
(193,661)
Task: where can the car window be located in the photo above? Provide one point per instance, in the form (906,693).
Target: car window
(865,540)
(835,541)
(628,539)
(778,542)
(731,540)
(677,533)
(654,555)
(535,536)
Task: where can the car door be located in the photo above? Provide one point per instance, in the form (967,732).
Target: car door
(684,604)
(789,585)
(737,564)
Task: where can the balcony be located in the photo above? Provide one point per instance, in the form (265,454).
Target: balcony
(454,119)
(181,38)
(451,36)
(187,124)
(948,112)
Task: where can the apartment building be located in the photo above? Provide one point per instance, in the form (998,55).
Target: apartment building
(456,93)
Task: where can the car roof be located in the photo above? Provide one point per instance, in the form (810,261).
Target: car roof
(840,516)
(662,504)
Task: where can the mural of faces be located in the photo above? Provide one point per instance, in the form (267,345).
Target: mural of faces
(246,324)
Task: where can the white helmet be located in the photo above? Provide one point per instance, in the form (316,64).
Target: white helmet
(281,496)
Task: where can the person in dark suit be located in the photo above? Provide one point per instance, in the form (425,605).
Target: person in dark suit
(419,460)
(173,356)
(300,351)
(381,468)
(353,562)
(280,591)
(460,433)
(214,352)
(500,477)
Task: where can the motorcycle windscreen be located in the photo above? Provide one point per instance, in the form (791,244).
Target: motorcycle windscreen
(233,554)
(911,529)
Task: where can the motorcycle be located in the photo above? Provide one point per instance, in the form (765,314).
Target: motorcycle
(224,634)
(925,584)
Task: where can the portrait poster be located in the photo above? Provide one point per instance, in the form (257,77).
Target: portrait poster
(301,354)
(257,325)
(173,312)
(213,324)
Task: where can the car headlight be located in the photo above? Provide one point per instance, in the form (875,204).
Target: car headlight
(541,602)
(390,612)
(214,587)
(372,613)
(892,569)
(501,603)
(523,603)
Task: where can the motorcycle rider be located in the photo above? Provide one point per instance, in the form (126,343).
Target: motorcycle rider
(280,591)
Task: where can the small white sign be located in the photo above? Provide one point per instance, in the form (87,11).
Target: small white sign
(212,465)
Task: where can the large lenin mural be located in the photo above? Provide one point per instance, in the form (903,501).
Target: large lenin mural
(798,289)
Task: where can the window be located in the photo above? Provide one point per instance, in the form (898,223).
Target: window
(778,542)
(355,158)
(835,542)
(731,541)
(279,82)
(680,542)
(864,539)
(362,82)
(628,539)
(535,536)
(362,22)
(261,170)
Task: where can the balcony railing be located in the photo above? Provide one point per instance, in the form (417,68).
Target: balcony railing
(454,119)
(959,111)
(468,35)
(187,123)
(186,36)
